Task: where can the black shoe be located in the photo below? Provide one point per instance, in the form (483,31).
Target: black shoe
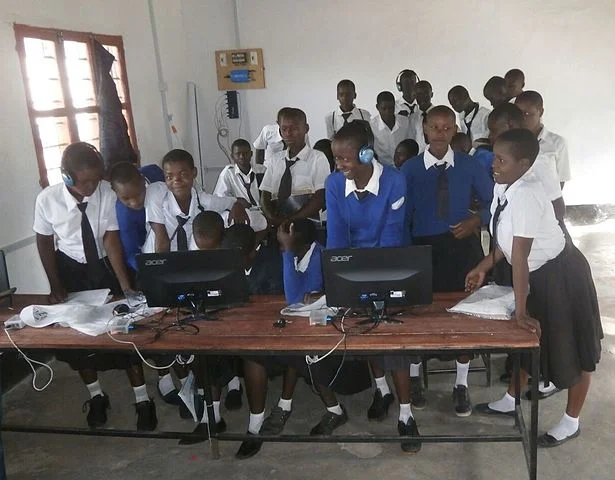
(461,399)
(379,408)
(417,394)
(146,416)
(542,395)
(233,399)
(548,441)
(249,448)
(329,422)
(172,398)
(199,407)
(97,415)
(409,429)
(485,409)
(202,430)
(274,423)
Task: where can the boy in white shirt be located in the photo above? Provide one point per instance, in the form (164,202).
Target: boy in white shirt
(347,111)
(405,82)
(515,81)
(423,92)
(388,129)
(496,92)
(472,117)
(269,142)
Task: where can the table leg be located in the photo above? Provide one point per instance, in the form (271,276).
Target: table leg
(213,437)
(534,415)
(517,374)
(2,467)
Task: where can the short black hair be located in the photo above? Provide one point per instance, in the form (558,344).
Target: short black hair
(240,236)
(346,83)
(292,113)
(411,145)
(424,84)
(508,112)
(461,141)
(80,156)
(532,97)
(305,231)
(208,224)
(494,84)
(523,143)
(240,142)
(442,110)
(281,112)
(459,91)
(123,173)
(385,97)
(515,74)
(178,155)
(359,132)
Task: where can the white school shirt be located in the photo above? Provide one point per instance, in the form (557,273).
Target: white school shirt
(402,105)
(544,169)
(554,146)
(161,207)
(386,140)
(416,127)
(528,214)
(309,172)
(271,141)
(334,120)
(448,159)
(477,119)
(56,213)
(231,183)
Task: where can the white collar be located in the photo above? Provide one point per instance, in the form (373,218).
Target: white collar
(340,112)
(71,202)
(302,155)
(383,126)
(244,176)
(248,271)
(429,160)
(543,133)
(402,101)
(302,265)
(508,192)
(373,185)
(470,116)
(174,208)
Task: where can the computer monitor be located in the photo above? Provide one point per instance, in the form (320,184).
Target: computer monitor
(377,278)
(195,279)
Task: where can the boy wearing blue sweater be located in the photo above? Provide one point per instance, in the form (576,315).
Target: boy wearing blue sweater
(441,186)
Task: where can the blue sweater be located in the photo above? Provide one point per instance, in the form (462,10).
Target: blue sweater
(485,158)
(465,179)
(297,284)
(132,222)
(374,221)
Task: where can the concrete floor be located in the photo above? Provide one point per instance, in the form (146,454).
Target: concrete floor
(69,457)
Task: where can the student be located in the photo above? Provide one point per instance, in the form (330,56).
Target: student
(366,209)
(423,93)
(405,82)
(546,269)
(551,144)
(347,111)
(441,187)
(208,230)
(270,142)
(324,145)
(406,149)
(388,129)
(472,117)
(515,81)
(496,92)
(293,185)
(78,216)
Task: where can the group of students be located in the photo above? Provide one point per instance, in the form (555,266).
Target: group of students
(405,176)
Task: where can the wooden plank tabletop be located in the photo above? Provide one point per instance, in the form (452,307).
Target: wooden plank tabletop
(249,329)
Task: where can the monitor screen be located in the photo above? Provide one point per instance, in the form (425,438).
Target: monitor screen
(201,278)
(360,276)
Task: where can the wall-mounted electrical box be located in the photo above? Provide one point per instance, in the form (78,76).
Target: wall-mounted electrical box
(240,69)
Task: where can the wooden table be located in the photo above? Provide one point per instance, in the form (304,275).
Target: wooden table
(249,330)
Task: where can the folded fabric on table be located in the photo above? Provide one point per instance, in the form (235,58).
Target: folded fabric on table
(493,302)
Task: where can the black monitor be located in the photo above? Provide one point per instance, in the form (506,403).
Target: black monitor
(194,279)
(377,278)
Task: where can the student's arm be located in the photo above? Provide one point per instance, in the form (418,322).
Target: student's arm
(162,242)
(314,281)
(46,250)
(223,187)
(113,246)
(521,280)
(337,220)
(260,144)
(559,207)
(482,185)
(563,163)
(406,171)
(259,156)
(476,277)
(393,234)
(294,281)
(319,177)
(268,209)
(329,125)
(314,205)
(128,235)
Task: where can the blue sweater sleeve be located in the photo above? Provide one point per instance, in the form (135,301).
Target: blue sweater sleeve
(406,171)
(297,284)
(129,235)
(394,234)
(483,186)
(337,224)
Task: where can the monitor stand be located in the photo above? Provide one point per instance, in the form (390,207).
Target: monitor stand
(378,314)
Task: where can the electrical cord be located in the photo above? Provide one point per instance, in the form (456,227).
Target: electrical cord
(31,362)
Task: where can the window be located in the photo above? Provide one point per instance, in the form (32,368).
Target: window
(61,91)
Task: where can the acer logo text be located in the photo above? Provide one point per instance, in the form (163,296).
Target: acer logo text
(155,263)
(341,258)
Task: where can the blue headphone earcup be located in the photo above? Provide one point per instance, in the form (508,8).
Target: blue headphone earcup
(366,154)
(67,179)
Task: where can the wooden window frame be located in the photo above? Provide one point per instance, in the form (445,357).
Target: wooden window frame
(68,110)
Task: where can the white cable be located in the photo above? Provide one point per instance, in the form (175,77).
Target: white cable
(31,361)
(312,360)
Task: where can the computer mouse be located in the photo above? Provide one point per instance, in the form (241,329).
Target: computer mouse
(121,309)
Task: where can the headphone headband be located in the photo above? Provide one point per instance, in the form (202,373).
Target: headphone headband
(400,74)
(67,175)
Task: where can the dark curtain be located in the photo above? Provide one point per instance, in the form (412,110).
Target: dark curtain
(115,143)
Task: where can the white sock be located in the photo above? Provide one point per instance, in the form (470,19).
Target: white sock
(415,369)
(183,380)
(566,427)
(549,388)
(165,384)
(382,385)
(286,405)
(200,391)
(141,394)
(462,373)
(94,389)
(234,384)
(337,409)
(256,422)
(504,404)
(205,418)
(405,412)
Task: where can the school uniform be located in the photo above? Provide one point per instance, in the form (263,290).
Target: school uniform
(265,274)
(403,108)
(562,295)
(337,119)
(386,139)
(474,124)
(555,148)
(271,141)
(416,127)
(302,275)
(440,194)
(484,157)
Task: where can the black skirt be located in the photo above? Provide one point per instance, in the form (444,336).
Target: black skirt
(563,299)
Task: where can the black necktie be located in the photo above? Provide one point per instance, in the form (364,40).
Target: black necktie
(346,116)
(286,183)
(87,236)
(496,218)
(442,192)
(182,238)
(469,124)
(248,187)
(424,114)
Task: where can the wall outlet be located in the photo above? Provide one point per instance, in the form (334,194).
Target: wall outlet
(253,58)
(222,60)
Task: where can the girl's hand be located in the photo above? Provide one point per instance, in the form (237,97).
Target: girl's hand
(528,323)
(474,279)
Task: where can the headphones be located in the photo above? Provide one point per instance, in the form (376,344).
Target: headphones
(366,154)
(398,79)
(67,178)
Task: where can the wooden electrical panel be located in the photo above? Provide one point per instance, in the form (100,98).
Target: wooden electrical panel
(240,69)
